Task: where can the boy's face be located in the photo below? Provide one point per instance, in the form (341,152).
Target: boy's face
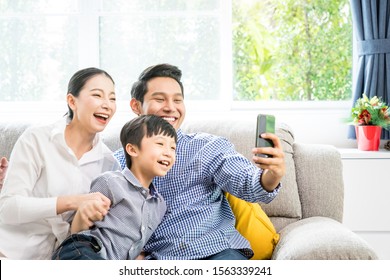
(156,155)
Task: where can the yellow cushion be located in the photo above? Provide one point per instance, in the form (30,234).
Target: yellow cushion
(253,223)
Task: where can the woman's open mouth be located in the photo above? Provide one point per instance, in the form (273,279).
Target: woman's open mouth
(101,117)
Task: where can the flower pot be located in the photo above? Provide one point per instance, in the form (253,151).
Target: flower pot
(368,137)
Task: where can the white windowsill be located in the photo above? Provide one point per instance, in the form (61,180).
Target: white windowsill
(355,153)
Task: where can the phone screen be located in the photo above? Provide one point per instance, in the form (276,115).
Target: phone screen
(265,124)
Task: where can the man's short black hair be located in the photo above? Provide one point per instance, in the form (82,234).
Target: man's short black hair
(140,88)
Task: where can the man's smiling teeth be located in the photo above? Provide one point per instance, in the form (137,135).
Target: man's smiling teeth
(169,119)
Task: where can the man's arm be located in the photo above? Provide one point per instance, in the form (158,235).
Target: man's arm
(3,170)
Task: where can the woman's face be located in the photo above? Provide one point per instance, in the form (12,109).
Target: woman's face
(95,105)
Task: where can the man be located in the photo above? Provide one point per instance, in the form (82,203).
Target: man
(199,223)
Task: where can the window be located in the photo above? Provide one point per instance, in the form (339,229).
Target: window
(38,49)
(137,34)
(292,50)
(45,41)
(278,50)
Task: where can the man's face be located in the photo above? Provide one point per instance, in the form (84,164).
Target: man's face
(164,99)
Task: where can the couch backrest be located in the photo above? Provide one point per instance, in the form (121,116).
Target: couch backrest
(9,133)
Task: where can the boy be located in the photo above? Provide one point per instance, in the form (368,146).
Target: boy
(136,208)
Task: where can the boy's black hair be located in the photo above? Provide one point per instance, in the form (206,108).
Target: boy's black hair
(140,87)
(146,125)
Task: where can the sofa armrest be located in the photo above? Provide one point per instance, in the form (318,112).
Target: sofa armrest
(320,180)
(321,238)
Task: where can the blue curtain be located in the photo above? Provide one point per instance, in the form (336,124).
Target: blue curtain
(371,23)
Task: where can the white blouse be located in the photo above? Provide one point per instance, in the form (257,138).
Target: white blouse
(41,168)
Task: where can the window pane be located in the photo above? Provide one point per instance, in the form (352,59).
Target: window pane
(38,6)
(155,5)
(37,55)
(130,44)
(292,49)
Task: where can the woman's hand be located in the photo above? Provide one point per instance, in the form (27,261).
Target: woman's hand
(73,202)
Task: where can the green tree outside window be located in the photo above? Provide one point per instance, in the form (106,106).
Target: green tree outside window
(292,50)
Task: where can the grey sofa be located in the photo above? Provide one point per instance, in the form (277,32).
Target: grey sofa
(308,211)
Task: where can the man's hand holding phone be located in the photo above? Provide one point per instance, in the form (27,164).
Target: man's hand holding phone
(265,124)
(268,154)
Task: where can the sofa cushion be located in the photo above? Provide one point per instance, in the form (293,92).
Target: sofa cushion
(252,222)
(321,238)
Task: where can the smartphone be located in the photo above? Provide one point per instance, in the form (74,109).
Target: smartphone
(265,124)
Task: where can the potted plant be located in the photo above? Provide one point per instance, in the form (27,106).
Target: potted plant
(369,117)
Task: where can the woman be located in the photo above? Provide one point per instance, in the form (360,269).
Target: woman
(51,169)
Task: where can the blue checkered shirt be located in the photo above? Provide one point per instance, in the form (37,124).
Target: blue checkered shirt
(199,221)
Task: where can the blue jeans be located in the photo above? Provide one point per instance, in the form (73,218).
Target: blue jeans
(228,254)
(78,247)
